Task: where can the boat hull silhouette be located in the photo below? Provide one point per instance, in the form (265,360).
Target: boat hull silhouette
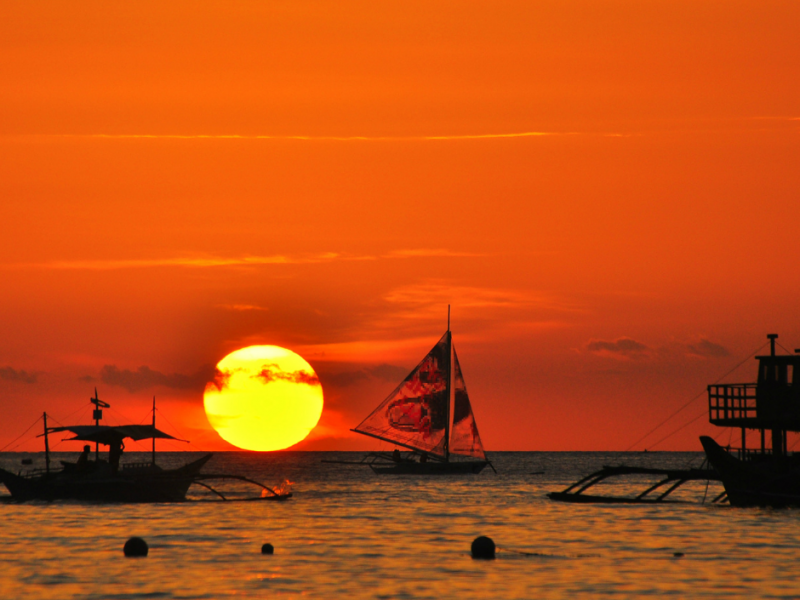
(429,468)
(773,482)
(97,483)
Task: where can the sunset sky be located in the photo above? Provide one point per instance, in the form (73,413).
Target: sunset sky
(606,192)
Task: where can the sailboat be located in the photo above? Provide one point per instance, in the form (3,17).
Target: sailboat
(429,415)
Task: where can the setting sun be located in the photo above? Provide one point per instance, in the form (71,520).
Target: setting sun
(263,398)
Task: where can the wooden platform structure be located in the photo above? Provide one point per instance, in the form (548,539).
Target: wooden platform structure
(655,494)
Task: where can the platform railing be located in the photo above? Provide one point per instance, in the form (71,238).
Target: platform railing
(731,401)
(136,465)
(749,453)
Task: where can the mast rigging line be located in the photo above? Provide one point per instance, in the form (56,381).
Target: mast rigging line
(697,397)
(21,435)
(669,435)
(176,429)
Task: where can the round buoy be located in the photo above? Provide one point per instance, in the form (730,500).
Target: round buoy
(135,547)
(267,549)
(482,547)
(677,554)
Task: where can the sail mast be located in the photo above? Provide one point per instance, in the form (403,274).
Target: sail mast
(449,387)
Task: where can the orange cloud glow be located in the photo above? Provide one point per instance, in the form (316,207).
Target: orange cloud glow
(606,193)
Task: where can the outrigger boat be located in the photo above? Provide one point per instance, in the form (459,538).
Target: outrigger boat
(109,481)
(760,476)
(429,415)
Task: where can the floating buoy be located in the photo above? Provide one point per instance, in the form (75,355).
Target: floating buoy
(677,554)
(267,549)
(135,547)
(482,547)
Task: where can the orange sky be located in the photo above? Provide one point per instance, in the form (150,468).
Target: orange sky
(178,180)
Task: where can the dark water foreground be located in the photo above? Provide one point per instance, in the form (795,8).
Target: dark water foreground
(350,534)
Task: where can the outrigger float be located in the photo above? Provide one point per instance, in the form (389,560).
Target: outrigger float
(760,476)
(655,494)
(109,481)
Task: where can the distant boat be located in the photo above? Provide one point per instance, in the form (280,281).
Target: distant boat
(429,415)
(109,481)
(755,476)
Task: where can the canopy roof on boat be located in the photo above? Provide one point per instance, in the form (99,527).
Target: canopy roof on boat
(106,434)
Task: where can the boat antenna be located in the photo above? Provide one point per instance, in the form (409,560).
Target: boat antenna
(154,431)
(772,337)
(97,414)
(448,317)
(46,446)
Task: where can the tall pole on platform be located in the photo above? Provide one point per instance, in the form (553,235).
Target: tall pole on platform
(154,431)
(46,446)
(97,414)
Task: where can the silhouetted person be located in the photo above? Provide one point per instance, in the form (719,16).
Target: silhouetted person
(396,456)
(114,454)
(423,458)
(83,459)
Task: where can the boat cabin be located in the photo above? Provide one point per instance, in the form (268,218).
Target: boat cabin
(771,404)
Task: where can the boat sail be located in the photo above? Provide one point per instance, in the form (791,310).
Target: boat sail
(417,416)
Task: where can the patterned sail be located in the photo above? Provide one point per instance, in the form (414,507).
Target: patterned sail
(464,438)
(415,414)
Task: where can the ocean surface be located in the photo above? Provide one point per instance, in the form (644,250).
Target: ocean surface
(348,533)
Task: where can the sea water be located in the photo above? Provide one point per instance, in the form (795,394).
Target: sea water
(348,533)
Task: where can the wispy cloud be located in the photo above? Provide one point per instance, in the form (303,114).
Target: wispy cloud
(272,372)
(348,377)
(199,262)
(433,295)
(242,307)
(145,377)
(333,138)
(191,262)
(620,348)
(428,253)
(779,118)
(705,348)
(11,374)
(627,348)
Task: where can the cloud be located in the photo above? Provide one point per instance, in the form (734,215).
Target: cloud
(705,348)
(272,372)
(191,262)
(145,377)
(10,374)
(384,372)
(429,253)
(205,261)
(436,294)
(621,348)
(242,307)
(334,138)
